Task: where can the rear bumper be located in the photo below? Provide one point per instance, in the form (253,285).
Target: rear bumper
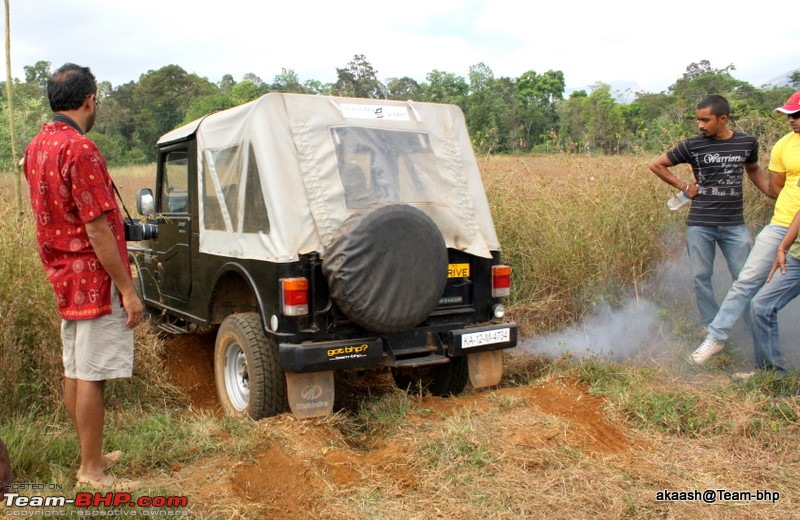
(374,351)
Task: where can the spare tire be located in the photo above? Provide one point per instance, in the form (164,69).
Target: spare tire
(387,267)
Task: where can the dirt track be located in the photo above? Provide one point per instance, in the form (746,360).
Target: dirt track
(294,486)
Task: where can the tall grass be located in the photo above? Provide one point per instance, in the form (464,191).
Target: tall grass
(577,231)
(30,357)
(31,370)
(580,230)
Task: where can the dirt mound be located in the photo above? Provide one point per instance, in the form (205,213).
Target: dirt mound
(292,479)
(190,361)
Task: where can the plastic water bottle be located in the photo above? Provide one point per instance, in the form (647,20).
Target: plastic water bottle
(677,200)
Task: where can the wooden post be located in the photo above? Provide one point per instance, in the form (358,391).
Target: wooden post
(14,161)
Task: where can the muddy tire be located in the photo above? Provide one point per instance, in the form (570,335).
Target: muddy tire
(387,267)
(441,380)
(248,377)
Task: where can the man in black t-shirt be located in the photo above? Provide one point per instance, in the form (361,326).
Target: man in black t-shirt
(719,157)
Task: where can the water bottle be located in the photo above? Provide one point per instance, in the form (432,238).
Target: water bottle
(677,200)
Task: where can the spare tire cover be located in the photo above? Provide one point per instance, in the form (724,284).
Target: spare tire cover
(387,267)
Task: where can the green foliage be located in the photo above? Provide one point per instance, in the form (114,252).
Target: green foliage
(795,79)
(506,115)
(288,81)
(403,88)
(445,87)
(160,101)
(359,79)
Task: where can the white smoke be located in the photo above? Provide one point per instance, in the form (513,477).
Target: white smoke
(614,333)
(637,331)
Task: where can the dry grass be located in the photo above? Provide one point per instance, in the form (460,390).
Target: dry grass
(563,438)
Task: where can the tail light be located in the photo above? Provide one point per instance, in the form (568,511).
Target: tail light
(501,281)
(294,296)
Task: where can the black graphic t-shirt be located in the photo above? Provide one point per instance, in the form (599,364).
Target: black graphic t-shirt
(718,167)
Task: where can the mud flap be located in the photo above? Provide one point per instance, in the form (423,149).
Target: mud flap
(485,368)
(310,394)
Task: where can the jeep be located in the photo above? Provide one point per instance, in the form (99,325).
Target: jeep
(324,234)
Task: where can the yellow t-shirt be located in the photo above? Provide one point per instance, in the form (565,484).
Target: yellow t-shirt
(785,158)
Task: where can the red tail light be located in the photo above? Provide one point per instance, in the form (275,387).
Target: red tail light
(501,281)
(294,296)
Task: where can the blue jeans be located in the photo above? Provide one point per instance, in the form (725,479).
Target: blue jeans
(750,279)
(701,242)
(765,306)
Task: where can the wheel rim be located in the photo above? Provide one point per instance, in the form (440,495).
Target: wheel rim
(237,379)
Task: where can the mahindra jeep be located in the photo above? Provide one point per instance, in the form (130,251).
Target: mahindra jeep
(322,234)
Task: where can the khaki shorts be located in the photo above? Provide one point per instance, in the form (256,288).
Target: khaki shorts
(100,348)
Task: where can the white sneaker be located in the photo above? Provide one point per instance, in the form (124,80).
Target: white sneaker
(707,348)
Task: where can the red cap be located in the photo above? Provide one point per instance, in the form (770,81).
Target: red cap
(792,105)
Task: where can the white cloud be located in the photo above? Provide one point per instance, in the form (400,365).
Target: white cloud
(589,41)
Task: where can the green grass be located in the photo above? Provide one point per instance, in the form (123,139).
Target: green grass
(578,232)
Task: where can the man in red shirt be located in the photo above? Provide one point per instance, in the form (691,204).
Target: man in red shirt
(81,241)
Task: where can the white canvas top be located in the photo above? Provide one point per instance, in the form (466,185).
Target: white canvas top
(280,174)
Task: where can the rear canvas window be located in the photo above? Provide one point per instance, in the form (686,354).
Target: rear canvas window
(377,165)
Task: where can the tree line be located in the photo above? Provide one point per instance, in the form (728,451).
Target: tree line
(529,113)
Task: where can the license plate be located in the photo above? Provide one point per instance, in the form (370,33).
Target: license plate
(458,270)
(485,337)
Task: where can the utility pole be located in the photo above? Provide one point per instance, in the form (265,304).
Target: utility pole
(10,97)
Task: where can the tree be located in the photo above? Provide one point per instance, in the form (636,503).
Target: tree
(160,102)
(603,119)
(359,79)
(538,96)
(701,80)
(313,86)
(226,83)
(445,87)
(571,135)
(403,89)
(38,73)
(492,111)
(794,79)
(287,81)
(254,79)
(703,68)
(245,91)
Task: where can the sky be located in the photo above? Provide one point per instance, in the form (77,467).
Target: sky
(646,44)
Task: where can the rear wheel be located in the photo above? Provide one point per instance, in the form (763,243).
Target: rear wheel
(249,379)
(440,380)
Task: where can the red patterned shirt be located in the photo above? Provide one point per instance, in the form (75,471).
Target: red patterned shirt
(70,186)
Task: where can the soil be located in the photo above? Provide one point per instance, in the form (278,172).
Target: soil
(302,474)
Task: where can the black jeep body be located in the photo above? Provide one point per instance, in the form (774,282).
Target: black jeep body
(321,240)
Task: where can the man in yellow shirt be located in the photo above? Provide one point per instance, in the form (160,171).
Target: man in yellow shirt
(784,179)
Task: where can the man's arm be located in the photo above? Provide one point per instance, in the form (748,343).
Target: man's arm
(105,247)
(783,248)
(776,182)
(661,168)
(758,178)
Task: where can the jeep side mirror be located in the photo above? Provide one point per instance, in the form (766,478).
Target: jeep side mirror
(145,202)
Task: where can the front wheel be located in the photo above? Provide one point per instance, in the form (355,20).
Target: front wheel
(249,379)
